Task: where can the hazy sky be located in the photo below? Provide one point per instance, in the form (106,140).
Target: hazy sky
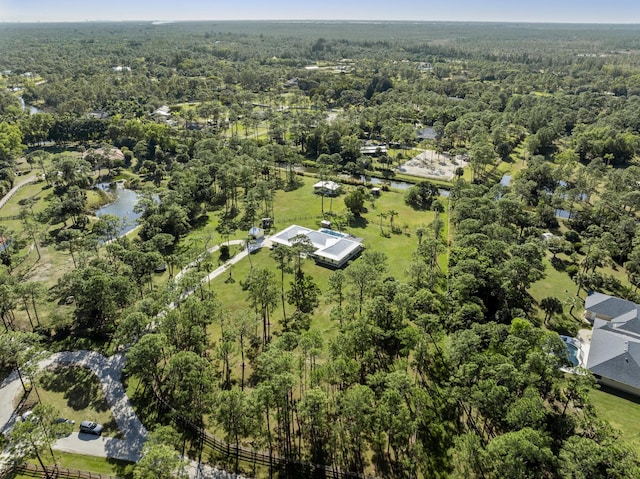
(572,11)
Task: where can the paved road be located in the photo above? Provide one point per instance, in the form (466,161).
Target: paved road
(108,371)
(211,250)
(11,192)
(264,242)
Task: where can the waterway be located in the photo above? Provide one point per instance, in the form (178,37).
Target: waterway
(123,207)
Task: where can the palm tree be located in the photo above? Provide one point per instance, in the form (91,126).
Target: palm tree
(392,214)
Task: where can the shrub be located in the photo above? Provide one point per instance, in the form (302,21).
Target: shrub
(571,270)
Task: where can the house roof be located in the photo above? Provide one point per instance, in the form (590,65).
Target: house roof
(327,185)
(608,305)
(614,353)
(286,235)
(339,250)
(327,246)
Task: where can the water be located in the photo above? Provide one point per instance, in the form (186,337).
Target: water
(122,207)
(572,350)
(563,214)
(506,180)
(329,232)
(427,133)
(32,109)
(573,354)
(399,185)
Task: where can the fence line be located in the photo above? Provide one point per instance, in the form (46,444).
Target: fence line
(33,470)
(293,467)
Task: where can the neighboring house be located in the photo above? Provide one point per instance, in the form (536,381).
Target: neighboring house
(614,354)
(162,114)
(327,188)
(603,306)
(332,248)
(373,150)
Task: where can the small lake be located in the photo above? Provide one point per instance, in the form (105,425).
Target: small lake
(122,207)
(398,185)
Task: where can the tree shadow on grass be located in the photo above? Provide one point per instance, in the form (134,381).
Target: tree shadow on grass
(80,387)
(620,394)
(559,264)
(123,469)
(145,405)
(359,222)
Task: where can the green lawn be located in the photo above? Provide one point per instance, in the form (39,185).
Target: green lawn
(555,283)
(37,191)
(622,412)
(95,465)
(303,207)
(77,394)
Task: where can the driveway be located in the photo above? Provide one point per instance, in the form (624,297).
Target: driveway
(109,372)
(11,192)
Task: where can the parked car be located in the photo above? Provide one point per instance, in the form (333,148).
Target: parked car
(90,427)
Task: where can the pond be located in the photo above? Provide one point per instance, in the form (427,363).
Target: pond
(398,185)
(32,109)
(122,207)
(427,133)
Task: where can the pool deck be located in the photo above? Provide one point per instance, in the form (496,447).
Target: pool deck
(584,338)
(583,342)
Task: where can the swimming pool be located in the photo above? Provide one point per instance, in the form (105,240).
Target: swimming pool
(573,350)
(573,354)
(329,232)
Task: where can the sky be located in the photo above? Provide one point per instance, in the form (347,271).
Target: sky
(557,11)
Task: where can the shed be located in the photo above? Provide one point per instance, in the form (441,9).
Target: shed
(256,233)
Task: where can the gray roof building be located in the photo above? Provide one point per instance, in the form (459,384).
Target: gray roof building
(332,248)
(603,306)
(614,355)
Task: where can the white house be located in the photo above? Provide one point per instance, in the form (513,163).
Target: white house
(327,188)
(332,248)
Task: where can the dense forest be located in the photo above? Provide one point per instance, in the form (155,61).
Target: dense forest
(436,353)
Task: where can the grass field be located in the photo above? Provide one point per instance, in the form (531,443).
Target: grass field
(623,413)
(77,394)
(95,465)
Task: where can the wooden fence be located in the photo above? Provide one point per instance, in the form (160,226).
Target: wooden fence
(286,467)
(31,470)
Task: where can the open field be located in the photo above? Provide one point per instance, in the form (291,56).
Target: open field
(621,411)
(77,394)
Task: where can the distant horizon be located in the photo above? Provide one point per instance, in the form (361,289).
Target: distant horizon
(160,22)
(623,12)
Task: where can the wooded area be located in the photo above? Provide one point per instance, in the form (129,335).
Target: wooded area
(436,352)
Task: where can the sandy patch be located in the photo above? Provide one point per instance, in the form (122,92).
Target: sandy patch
(430,164)
(113,153)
